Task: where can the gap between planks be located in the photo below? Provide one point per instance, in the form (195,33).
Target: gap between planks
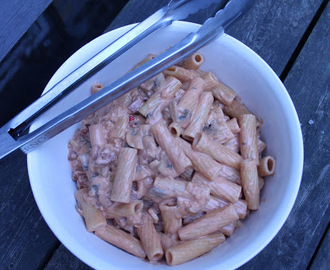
(303,40)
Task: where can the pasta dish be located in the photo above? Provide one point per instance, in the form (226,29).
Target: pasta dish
(170,169)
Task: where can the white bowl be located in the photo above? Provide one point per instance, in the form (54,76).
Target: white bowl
(263,93)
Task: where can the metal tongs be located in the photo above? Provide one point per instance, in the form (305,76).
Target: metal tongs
(13,134)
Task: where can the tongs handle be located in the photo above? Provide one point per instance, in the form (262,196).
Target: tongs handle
(210,30)
(22,121)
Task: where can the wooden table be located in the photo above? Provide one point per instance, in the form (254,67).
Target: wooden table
(293,38)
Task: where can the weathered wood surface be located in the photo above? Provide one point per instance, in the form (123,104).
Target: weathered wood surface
(25,239)
(273,29)
(16,17)
(322,257)
(308,85)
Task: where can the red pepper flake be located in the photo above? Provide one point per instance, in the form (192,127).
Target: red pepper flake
(131,118)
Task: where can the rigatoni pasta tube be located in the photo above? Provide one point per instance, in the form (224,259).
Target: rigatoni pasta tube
(224,93)
(216,202)
(202,163)
(237,109)
(192,249)
(150,239)
(133,208)
(221,133)
(151,104)
(168,187)
(122,185)
(121,239)
(199,116)
(96,87)
(175,129)
(97,135)
(228,230)
(119,130)
(220,187)
(233,125)
(220,153)
(149,57)
(248,137)
(233,144)
(171,147)
(171,218)
(266,166)
(211,81)
(170,86)
(161,97)
(209,223)
(194,61)
(181,73)
(250,183)
(93,217)
(189,101)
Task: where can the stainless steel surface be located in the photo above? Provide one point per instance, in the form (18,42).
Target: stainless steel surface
(210,30)
(175,10)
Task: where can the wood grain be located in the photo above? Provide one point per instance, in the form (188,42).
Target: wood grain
(24,235)
(322,258)
(64,259)
(273,29)
(308,85)
(16,17)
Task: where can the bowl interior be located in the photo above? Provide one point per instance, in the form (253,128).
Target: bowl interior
(235,65)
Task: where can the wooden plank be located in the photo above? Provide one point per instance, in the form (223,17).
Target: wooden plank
(322,258)
(273,30)
(308,85)
(63,259)
(24,235)
(16,17)
(138,10)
